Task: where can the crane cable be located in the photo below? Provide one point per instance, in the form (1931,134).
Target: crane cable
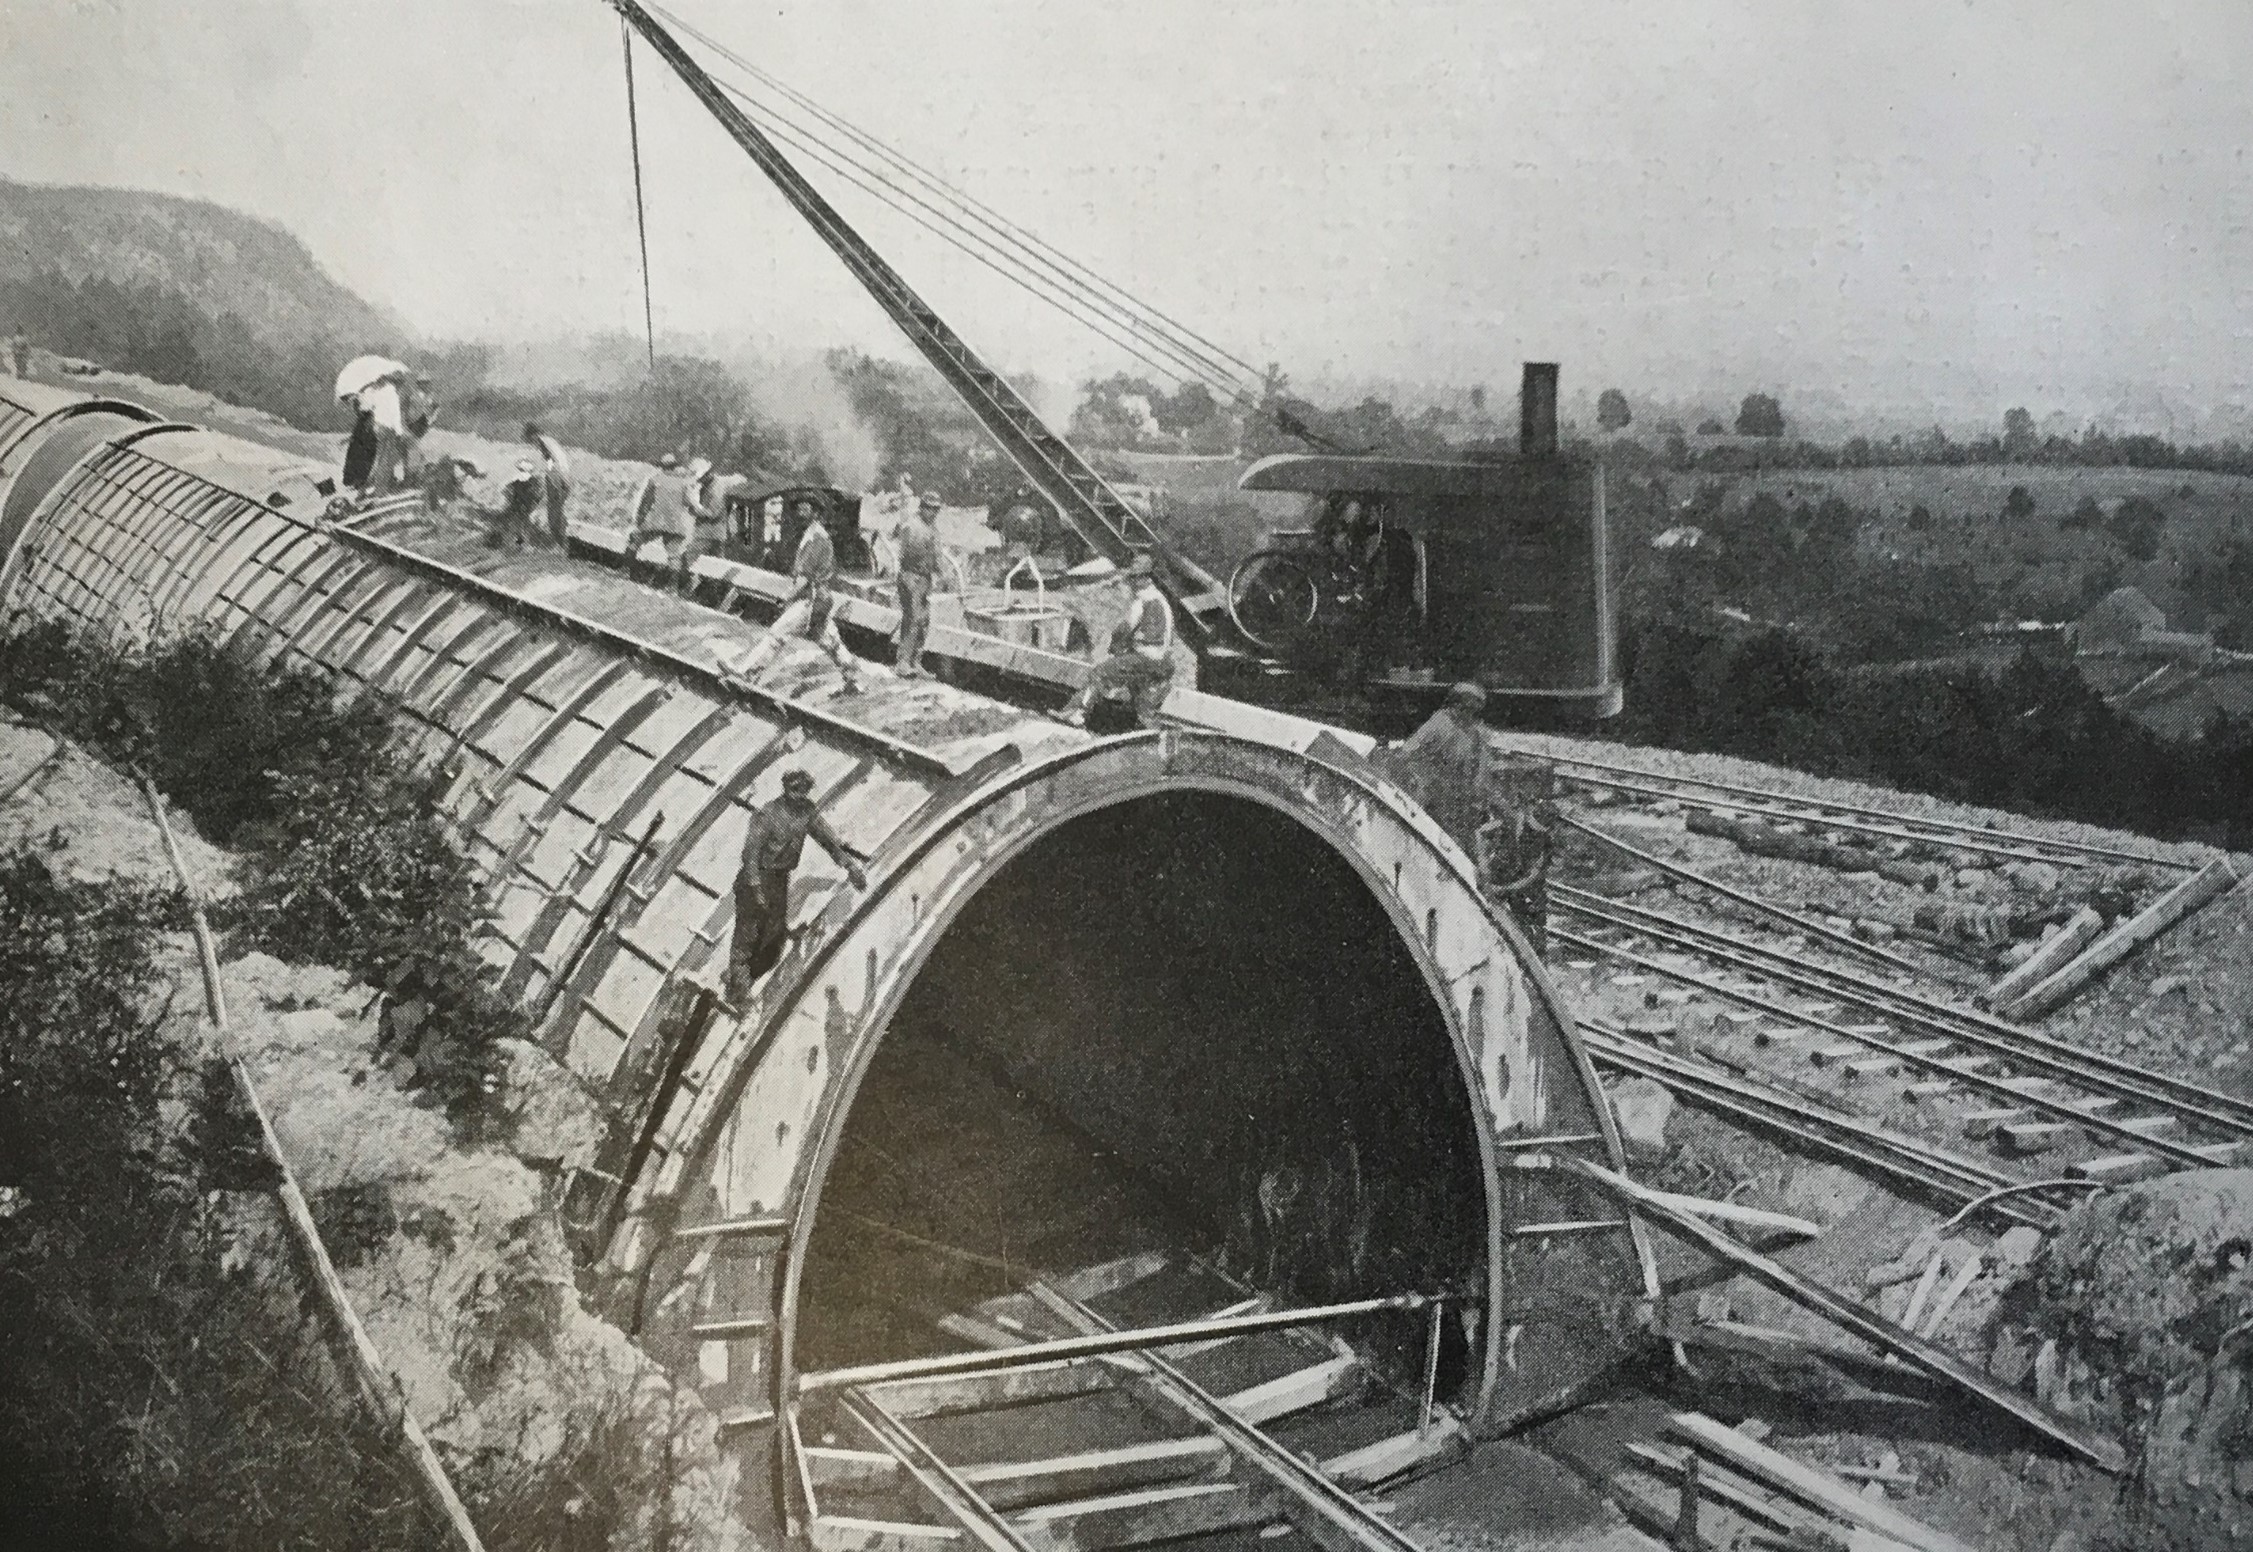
(641,216)
(1204,362)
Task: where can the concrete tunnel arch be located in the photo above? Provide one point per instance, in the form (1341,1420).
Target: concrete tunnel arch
(781,1109)
(571,711)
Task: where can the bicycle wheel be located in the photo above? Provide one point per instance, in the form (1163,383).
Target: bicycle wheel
(1272,597)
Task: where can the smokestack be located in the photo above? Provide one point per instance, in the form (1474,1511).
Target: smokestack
(1537,411)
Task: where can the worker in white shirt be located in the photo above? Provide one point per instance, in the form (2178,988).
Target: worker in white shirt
(555,472)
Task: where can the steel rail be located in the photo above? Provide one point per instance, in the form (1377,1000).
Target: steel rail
(1916,1351)
(2063,1110)
(2125,1080)
(1963,1183)
(1098,1345)
(941,1482)
(1979,838)
(1799,921)
(1324,1512)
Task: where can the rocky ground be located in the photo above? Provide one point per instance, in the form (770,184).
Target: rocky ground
(550,1420)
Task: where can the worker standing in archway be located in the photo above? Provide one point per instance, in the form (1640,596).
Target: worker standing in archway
(1144,669)
(918,544)
(771,845)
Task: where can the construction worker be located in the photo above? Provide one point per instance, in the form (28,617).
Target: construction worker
(1501,817)
(771,845)
(1021,527)
(811,613)
(918,545)
(555,470)
(515,524)
(397,459)
(1447,766)
(661,512)
(1141,660)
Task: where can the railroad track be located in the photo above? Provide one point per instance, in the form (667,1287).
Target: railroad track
(1212,1439)
(2088,1116)
(1890,824)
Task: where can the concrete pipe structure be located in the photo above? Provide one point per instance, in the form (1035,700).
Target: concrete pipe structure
(1247,983)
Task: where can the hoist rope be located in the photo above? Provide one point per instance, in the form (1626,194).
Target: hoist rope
(641,216)
(1020,256)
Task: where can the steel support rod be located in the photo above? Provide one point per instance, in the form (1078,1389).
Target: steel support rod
(377,1387)
(2105,1454)
(1142,1339)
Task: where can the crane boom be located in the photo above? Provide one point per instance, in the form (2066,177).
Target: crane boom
(1096,512)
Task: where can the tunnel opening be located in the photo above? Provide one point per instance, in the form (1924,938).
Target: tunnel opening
(1183,1023)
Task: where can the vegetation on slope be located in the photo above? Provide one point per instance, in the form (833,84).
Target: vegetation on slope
(346,860)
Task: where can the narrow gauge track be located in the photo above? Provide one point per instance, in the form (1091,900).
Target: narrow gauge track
(1947,1178)
(2028,1075)
(1726,797)
(1967,1026)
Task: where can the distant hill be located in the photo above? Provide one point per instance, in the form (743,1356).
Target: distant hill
(182,291)
(220,260)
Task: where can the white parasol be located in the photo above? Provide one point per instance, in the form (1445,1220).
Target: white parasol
(363,372)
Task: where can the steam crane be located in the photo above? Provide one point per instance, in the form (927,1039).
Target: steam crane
(1097,513)
(1407,574)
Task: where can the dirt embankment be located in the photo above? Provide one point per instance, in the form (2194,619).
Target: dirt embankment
(556,1429)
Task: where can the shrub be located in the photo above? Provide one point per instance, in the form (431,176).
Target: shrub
(346,861)
(152,1398)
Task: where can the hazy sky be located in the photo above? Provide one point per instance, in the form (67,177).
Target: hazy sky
(1979,204)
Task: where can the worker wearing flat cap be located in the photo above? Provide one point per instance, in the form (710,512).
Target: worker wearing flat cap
(771,844)
(918,544)
(1140,667)
(1449,766)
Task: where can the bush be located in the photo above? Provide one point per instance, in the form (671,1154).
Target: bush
(2035,738)
(152,1398)
(346,861)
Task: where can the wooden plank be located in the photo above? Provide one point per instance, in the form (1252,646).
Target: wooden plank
(998,1387)
(1137,1519)
(1818,1488)
(1011,1484)
(2047,959)
(1384,1459)
(2118,1168)
(1055,1478)
(1095,1282)
(2209,883)
(2024,1137)
(1737,1212)
(842,1533)
(2098,1450)
(1294,1392)
(1983,1123)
